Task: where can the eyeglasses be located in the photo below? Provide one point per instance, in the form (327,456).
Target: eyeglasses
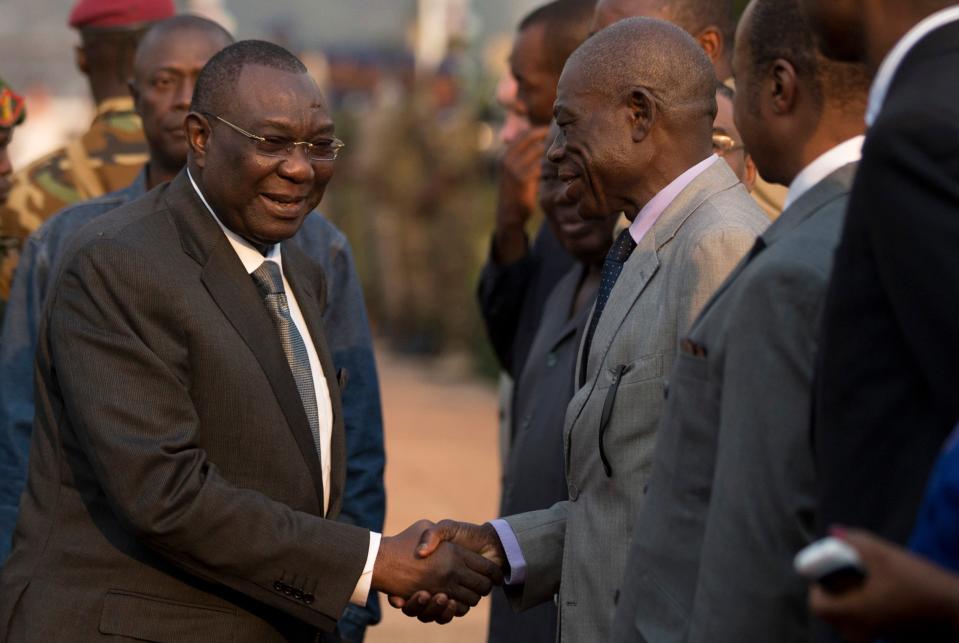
(283,147)
(724,144)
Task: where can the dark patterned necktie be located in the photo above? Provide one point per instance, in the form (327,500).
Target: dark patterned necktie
(269,280)
(613,266)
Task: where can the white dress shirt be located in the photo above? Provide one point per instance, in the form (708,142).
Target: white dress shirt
(651,212)
(251,258)
(843,154)
(892,61)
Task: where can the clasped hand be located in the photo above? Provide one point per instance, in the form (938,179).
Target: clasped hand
(436,572)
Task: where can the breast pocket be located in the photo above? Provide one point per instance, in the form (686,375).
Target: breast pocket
(631,399)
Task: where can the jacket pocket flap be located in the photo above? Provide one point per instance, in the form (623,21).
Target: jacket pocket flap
(151,618)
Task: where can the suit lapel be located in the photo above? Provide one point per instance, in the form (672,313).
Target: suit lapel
(834,186)
(309,286)
(643,264)
(236,295)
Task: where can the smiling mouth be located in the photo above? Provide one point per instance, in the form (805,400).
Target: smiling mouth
(284,203)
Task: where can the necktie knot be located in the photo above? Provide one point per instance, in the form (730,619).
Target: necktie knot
(269,278)
(622,248)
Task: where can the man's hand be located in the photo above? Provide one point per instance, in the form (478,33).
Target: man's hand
(518,187)
(459,576)
(481,539)
(903,595)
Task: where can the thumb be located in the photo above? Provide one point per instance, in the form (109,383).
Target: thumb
(397,601)
(434,536)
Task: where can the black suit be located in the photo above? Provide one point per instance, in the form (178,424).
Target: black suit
(887,389)
(512,297)
(174,491)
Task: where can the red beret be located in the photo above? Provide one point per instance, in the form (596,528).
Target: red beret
(98,14)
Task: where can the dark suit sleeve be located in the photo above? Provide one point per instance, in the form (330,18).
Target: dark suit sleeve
(502,289)
(913,228)
(763,497)
(135,421)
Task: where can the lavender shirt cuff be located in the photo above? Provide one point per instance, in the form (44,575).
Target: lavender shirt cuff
(514,555)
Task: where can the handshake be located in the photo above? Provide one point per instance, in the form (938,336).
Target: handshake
(436,572)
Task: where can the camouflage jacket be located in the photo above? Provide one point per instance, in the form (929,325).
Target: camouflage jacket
(106,158)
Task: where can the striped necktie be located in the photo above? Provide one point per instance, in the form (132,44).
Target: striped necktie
(269,280)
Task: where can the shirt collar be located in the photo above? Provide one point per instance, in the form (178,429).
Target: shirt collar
(843,154)
(249,255)
(651,212)
(893,60)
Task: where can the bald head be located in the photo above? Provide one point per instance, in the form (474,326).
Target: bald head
(645,53)
(161,33)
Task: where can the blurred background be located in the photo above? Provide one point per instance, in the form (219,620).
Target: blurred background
(411,84)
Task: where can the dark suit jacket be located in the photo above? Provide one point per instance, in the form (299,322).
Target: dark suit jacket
(512,297)
(887,396)
(174,491)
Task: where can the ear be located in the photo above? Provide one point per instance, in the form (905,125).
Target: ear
(712,42)
(80,57)
(198,137)
(749,176)
(783,83)
(642,111)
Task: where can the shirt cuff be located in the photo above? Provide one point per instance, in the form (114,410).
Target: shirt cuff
(514,555)
(362,591)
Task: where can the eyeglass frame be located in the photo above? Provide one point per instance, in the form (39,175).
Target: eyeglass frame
(720,151)
(336,144)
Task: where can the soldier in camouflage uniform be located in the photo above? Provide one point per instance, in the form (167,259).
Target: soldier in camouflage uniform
(111,153)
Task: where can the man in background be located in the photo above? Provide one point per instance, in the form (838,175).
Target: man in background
(111,152)
(728,142)
(519,276)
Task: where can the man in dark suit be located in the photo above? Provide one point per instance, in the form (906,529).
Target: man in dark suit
(518,276)
(188,454)
(886,395)
(732,495)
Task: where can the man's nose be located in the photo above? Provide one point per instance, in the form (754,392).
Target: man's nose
(297,166)
(557,150)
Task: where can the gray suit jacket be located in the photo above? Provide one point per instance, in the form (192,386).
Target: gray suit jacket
(732,494)
(578,547)
(174,492)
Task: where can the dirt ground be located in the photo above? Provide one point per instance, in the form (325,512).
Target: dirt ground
(441,462)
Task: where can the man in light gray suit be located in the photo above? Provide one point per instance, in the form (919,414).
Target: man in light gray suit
(634,137)
(732,493)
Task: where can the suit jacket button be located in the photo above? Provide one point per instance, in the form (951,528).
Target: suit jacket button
(278,586)
(298,594)
(551,360)
(308,598)
(573,492)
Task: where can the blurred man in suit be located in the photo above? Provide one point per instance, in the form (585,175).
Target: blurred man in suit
(188,458)
(637,138)
(886,396)
(732,495)
(728,142)
(518,276)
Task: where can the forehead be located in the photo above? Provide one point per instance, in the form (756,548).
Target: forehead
(184,47)
(610,11)
(528,48)
(263,94)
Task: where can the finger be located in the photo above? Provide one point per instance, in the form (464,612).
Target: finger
(416,604)
(435,609)
(484,566)
(459,609)
(464,594)
(397,601)
(434,536)
(449,614)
